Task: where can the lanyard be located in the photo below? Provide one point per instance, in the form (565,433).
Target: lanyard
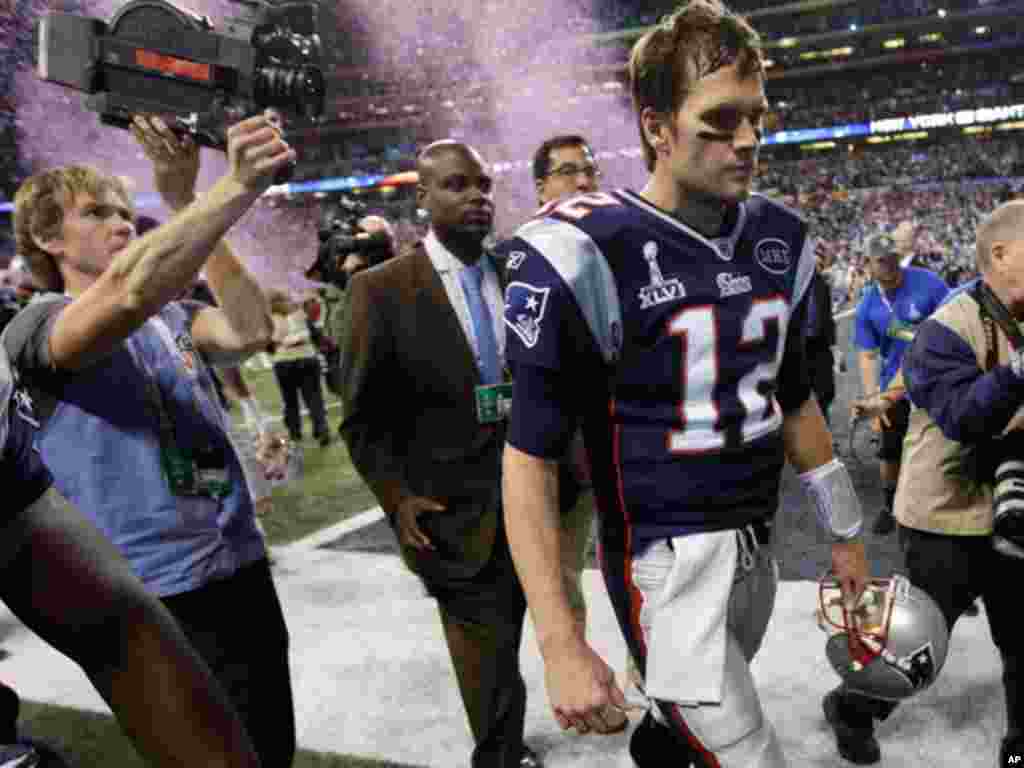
(154,395)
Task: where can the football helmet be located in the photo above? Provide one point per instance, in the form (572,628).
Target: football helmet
(892,645)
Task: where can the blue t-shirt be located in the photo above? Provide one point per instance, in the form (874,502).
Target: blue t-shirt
(675,353)
(100,437)
(888,323)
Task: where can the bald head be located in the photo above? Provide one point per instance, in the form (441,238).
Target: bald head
(426,162)
(1004,225)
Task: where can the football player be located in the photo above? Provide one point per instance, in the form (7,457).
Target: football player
(668,325)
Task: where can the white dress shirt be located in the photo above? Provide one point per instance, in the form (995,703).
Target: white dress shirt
(449,267)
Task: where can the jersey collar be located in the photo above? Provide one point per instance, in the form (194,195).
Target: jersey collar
(732,238)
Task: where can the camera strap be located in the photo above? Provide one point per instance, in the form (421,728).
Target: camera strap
(994,312)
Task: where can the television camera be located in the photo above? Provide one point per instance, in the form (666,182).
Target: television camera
(155,57)
(339,234)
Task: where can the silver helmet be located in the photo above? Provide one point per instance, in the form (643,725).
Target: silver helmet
(892,645)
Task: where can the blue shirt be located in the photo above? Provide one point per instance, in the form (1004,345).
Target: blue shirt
(100,439)
(888,323)
(677,354)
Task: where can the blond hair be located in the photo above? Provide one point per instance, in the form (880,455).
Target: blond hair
(39,207)
(696,40)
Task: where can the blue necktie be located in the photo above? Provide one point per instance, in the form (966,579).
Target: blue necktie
(471,278)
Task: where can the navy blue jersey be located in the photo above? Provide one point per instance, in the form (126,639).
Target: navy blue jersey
(669,349)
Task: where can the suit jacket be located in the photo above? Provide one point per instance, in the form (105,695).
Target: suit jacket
(407,382)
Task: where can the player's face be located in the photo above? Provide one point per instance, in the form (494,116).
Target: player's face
(458,195)
(713,149)
(571,170)
(95,229)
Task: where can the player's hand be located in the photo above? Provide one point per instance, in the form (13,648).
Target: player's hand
(175,159)
(850,567)
(256,151)
(580,686)
(408,524)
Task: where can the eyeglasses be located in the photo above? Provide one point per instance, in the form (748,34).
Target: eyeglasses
(569,170)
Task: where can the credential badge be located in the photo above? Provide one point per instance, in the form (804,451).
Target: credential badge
(658,290)
(773,255)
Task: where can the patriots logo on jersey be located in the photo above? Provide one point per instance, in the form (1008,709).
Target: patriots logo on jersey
(524,310)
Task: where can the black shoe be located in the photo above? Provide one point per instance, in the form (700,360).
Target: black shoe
(651,742)
(855,743)
(972,610)
(530,759)
(1011,751)
(885,524)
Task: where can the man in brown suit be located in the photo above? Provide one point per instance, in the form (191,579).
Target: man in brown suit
(425,343)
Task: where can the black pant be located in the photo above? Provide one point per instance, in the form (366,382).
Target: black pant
(237,627)
(954,571)
(302,375)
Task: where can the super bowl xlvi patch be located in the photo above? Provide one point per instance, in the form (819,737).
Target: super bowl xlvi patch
(658,290)
(731,284)
(773,255)
(524,311)
(515,260)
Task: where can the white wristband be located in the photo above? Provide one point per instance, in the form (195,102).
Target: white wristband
(835,501)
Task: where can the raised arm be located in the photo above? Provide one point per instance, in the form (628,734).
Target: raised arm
(158,267)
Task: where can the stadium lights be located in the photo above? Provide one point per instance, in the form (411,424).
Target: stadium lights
(787,42)
(931,37)
(942,13)
(853,27)
(818,145)
(896,42)
(879,139)
(981,30)
(769,63)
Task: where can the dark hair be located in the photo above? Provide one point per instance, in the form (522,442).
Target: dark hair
(542,157)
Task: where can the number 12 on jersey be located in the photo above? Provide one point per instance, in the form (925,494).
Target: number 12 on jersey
(701,371)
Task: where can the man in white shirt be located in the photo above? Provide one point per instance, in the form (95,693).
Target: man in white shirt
(425,390)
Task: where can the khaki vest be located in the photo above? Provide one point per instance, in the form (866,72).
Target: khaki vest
(926,498)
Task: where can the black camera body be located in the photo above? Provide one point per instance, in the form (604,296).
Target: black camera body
(154,57)
(338,233)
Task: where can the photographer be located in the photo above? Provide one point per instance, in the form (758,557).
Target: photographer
(964,377)
(131,427)
(349,243)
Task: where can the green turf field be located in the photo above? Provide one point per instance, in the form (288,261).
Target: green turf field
(330,490)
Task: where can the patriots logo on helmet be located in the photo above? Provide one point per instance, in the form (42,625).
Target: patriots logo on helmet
(524,310)
(919,667)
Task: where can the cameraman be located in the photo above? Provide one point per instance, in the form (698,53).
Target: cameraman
(971,389)
(372,242)
(131,428)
